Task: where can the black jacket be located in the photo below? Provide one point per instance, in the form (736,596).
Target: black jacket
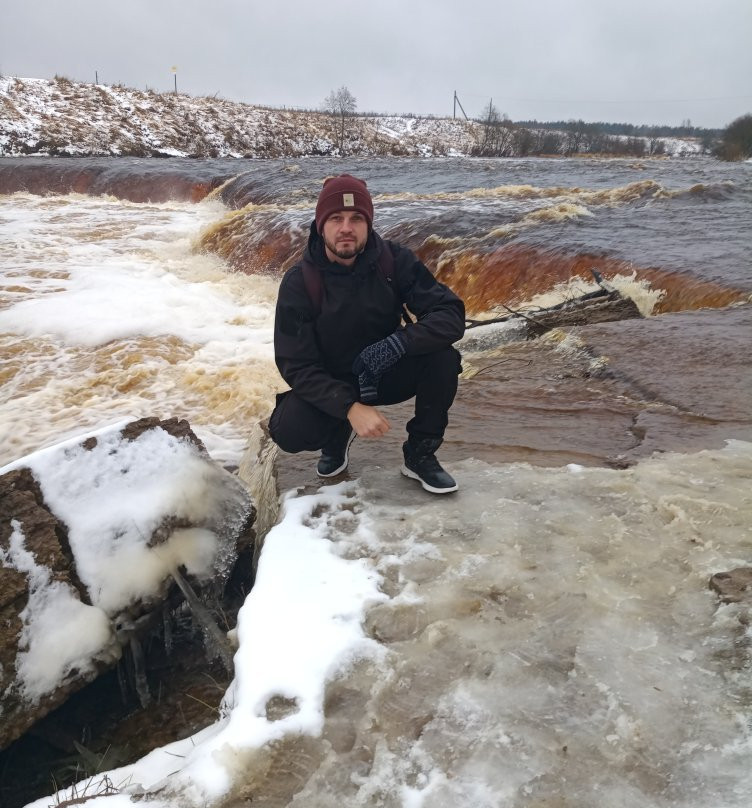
(315,350)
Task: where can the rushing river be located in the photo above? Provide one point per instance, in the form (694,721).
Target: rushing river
(113,307)
(135,288)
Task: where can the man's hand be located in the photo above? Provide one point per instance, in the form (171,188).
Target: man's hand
(367,421)
(374,360)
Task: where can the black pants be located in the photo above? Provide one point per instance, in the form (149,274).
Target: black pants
(296,426)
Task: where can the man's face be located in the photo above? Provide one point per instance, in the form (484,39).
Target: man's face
(345,234)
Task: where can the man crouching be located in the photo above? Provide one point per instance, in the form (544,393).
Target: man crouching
(341,345)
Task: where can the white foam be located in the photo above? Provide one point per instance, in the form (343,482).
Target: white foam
(115,314)
(641,292)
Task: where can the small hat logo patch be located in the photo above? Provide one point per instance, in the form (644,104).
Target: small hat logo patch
(348,200)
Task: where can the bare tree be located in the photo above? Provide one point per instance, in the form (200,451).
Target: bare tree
(340,102)
(524,142)
(737,140)
(497,133)
(708,141)
(490,122)
(577,137)
(655,144)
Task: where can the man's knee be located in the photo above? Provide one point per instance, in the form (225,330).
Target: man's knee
(277,424)
(446,362)
(285,423)
(297,426)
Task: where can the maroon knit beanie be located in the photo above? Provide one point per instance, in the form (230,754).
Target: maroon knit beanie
(343,193)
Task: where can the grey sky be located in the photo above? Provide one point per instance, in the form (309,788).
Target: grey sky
(638,61)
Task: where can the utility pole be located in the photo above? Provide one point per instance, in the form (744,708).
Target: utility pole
(175,76)
(457,101)
(96,77)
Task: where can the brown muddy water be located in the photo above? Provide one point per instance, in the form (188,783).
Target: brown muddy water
(136,287)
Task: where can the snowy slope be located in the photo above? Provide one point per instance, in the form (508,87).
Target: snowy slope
(62,117)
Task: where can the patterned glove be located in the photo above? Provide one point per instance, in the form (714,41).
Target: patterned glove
(374,360)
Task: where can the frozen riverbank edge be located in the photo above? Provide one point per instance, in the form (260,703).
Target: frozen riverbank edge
(546,632)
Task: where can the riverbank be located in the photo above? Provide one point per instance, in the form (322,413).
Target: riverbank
(62,118)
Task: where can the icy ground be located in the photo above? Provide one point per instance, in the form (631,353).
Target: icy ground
(544,637)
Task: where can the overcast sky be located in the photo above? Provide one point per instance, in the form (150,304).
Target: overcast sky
(636,61)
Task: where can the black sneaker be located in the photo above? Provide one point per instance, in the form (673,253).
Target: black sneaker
(335,455)
(421,464)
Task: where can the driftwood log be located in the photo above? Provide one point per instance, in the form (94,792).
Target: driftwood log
(604,305)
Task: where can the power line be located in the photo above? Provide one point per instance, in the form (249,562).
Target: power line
(610,101)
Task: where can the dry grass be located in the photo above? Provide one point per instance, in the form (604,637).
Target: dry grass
(64,118)
(89,790)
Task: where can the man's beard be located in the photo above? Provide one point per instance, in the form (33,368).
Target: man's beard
(348,250)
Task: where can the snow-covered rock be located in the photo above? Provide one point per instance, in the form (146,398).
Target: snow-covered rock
(92,533)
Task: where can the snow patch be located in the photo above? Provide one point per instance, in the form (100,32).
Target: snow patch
(60,634)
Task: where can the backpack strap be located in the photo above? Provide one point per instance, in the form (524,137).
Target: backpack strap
(315,286)
(386,267)
(386,263)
